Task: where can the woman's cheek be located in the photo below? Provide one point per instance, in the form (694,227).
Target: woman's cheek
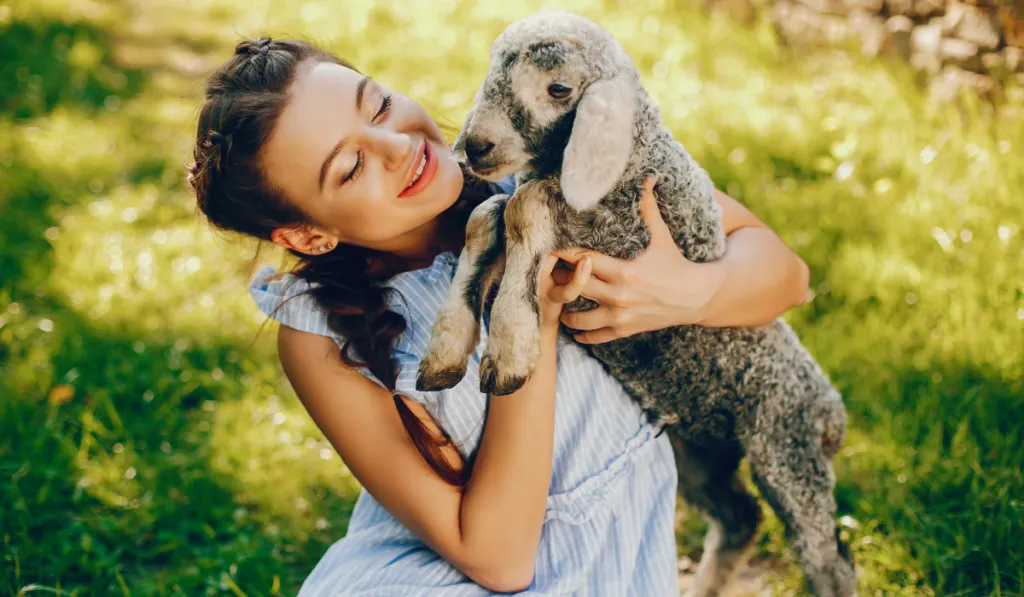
(376,225)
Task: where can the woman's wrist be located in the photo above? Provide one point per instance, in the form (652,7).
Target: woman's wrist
(693,296)
(549,332)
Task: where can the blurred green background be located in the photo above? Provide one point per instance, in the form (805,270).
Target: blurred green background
(149,444)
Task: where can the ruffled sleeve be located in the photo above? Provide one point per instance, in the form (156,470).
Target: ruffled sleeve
(285,298)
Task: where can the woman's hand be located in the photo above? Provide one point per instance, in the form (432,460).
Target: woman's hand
(643,294)
(558,287)
(757,280)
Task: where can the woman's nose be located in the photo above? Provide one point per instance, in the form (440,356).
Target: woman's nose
(394,148)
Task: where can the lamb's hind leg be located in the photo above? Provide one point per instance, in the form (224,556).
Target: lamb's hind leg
(708,481)
(794,474)
(456,330)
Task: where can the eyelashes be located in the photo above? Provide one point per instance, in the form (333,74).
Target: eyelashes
(385,107)
(356,170)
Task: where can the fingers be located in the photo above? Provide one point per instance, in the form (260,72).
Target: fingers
(572,256)
(586,321)
(649,201)
(594,288)
(562,276)
(594,327)
(566,293)
(651,213)
(606,268)
(547,265)
(598,336)
(648,187)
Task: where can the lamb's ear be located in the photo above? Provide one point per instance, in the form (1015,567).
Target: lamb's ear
(600,144)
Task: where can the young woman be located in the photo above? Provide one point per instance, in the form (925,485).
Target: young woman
(562,488)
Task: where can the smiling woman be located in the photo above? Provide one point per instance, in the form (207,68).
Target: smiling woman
(369,143)
(463,494)
(276,107)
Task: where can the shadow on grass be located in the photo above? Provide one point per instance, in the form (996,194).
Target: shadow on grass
(49,63)
(938,465)
(120,486)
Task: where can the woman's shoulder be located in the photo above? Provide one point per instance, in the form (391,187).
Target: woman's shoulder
(418,294)
(288,298)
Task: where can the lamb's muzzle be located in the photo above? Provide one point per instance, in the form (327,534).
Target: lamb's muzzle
(476,150)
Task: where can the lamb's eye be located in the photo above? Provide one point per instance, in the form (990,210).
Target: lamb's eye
(559,91)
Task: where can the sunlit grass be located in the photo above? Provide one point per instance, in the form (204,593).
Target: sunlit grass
(150,446)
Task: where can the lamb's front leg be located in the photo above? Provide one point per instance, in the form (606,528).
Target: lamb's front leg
(513,346)
(456,330)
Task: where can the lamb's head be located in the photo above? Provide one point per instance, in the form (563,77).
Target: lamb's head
(559,100)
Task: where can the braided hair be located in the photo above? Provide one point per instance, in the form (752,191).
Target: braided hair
(243,101)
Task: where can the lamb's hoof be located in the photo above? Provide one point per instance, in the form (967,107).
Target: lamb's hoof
(431,380)
(580,304)
(496,384)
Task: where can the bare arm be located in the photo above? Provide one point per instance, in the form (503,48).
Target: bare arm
(491,528)
(758,279)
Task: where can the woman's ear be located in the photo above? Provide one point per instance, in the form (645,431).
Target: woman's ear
(303,239)
(600,143)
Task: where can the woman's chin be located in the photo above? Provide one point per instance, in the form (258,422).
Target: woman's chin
(449,175)
(446,187)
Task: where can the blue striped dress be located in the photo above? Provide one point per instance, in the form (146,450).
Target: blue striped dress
(609,525)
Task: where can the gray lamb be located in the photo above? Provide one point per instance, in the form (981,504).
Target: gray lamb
(563,107)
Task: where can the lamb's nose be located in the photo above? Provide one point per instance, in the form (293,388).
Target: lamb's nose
(477,149)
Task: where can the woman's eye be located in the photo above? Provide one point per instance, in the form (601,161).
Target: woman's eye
(385,105)
(355,170)
(559,91)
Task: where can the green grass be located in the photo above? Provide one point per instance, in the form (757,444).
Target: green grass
(149,445)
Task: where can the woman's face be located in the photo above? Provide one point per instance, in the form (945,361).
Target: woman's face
(366,163)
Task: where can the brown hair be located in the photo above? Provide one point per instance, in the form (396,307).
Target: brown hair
(244,99)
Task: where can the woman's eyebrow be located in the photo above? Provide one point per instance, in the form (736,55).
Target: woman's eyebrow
(360,88)
(359,92)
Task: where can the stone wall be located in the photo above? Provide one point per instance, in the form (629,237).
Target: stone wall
(977,44)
